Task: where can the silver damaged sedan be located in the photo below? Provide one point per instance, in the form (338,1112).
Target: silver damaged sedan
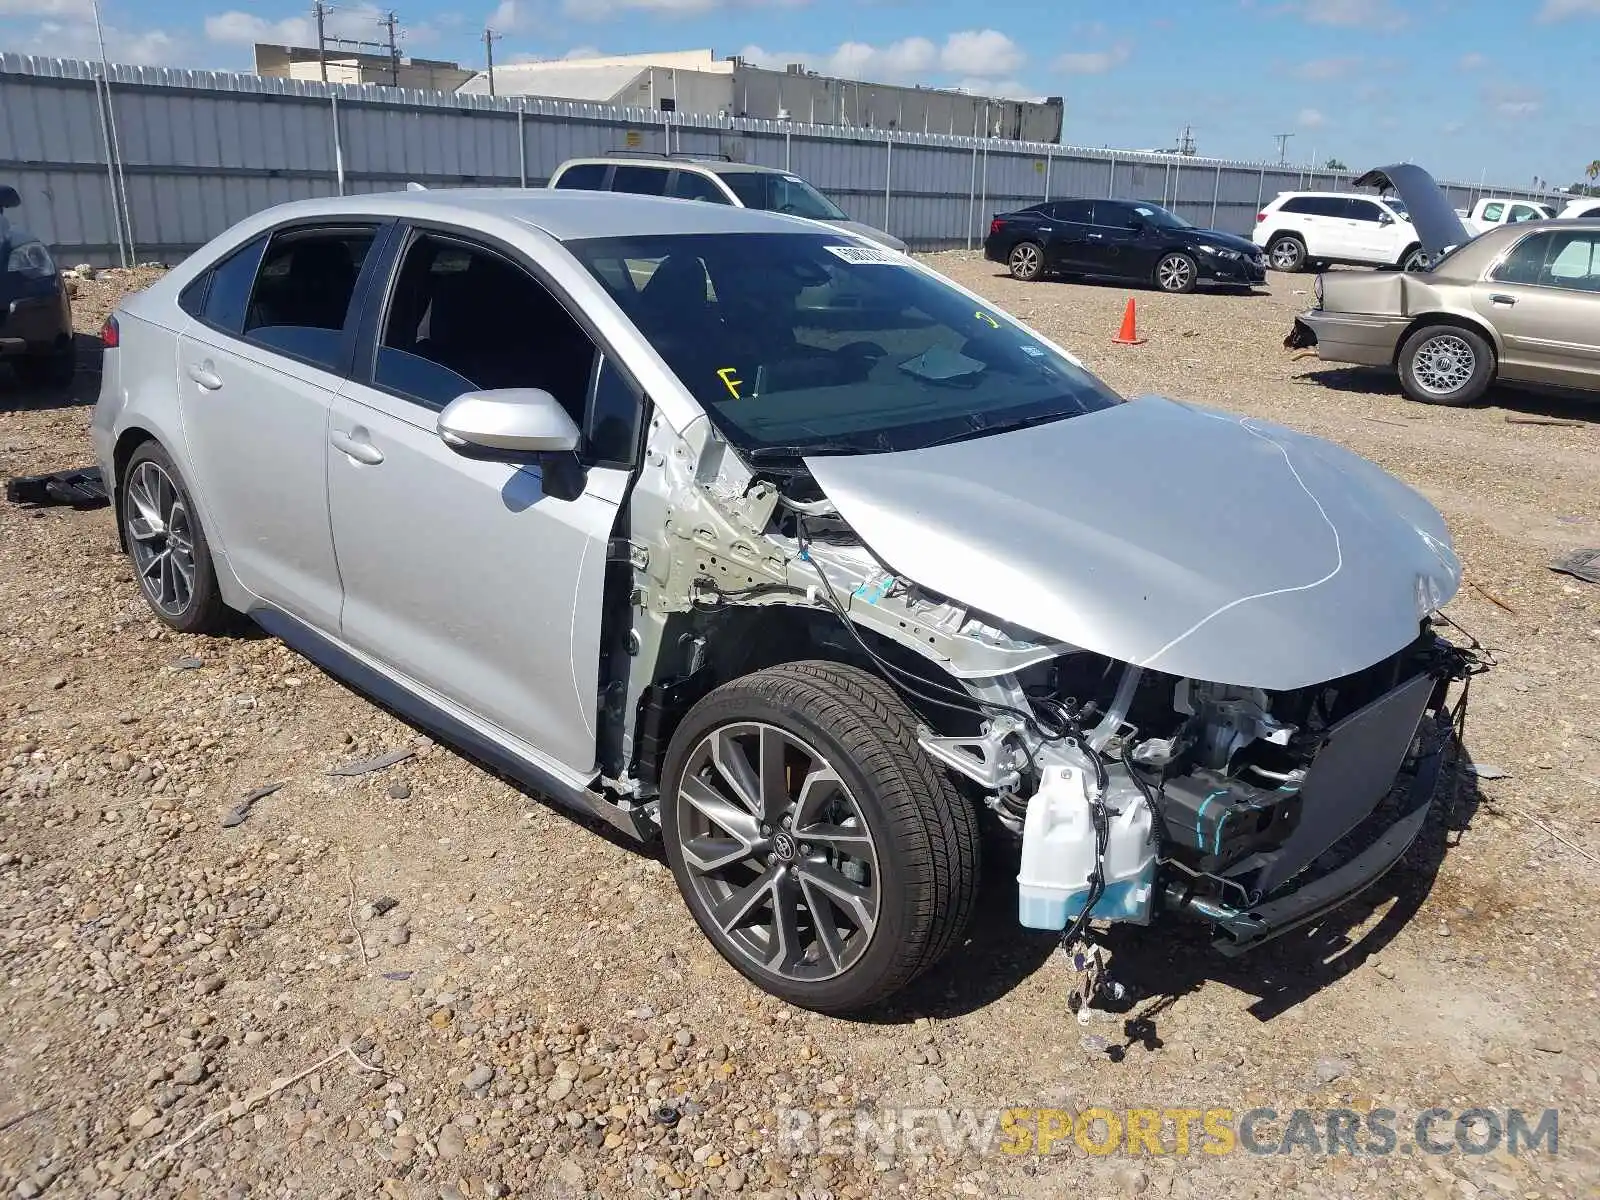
(777,545)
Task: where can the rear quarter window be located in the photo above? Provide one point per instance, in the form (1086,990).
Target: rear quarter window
(587,177)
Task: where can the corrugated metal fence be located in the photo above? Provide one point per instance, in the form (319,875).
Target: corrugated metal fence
(162,160)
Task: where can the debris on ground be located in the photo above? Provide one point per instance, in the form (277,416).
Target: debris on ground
(1580,564)
(240,812)
(367,766)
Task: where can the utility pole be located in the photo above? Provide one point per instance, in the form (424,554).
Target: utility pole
(391,22)
(1283,147)
(320,11)
(1186,142)
(489,39)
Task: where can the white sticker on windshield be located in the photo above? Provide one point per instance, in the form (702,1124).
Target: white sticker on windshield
(1032,351)
(867,255)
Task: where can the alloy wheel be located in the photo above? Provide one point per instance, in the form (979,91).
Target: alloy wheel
(1443,364)
(160,538)
(1174,273)
(1286,254)
(778,852)
(1026,261)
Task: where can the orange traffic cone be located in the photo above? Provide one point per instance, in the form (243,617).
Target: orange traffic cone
(1129,334)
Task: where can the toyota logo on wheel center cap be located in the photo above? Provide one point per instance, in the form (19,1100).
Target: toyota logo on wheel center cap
(783,847)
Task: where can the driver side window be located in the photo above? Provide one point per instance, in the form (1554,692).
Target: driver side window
(464,318)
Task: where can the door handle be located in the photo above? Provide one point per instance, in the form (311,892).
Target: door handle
(361,451)
(1502,298)
(202,374)
(1094,236)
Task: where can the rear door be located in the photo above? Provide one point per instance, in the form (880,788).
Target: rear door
(468,577)
(1544,299)
(1066,228)
(257,372)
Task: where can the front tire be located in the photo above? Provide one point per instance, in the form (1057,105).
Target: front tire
(1446,364)
(1026,261)
(1414,259)
(165,540)
(819,849)
(1287,253)
(1177,273)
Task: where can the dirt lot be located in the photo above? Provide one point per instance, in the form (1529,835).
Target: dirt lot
(174,995)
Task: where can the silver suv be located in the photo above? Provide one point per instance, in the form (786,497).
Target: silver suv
(752,535)
(714,181)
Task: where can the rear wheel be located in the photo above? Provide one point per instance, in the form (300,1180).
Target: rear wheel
(1446,364)
(1026,261)
(167,544)
(1287,253)
(818,848)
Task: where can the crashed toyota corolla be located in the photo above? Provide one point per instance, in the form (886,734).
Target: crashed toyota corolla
(783,547)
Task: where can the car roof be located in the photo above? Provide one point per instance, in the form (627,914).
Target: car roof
(1340,195)
(564,215)
(716,166)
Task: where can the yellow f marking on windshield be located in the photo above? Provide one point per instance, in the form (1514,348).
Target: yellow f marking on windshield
(731,381)
(987,319)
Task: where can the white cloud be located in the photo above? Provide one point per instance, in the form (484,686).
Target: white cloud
(1353,14)
(78,39)
(981,52)
(984,56)
(1319,69)
(595,10)
(358,22)
(1093,62)
(1512,102)
(1311,118)
(46,8)
(1472,61)
(1560,10)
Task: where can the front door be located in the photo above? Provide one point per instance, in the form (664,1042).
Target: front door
(1371,232)
(1544,299)
(465,576)
(258,368)
(1116,247)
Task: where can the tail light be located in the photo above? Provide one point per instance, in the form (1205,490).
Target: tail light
(994,225)
(1261,216)
(110,335)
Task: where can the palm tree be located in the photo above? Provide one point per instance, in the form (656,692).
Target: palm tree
(1593,169)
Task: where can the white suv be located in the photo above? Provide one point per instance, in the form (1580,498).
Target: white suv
(1303,229)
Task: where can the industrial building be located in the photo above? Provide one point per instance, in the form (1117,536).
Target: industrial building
(697,81)
(342,65)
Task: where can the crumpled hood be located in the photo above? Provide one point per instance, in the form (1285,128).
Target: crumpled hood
(1180,538)
(1216,237)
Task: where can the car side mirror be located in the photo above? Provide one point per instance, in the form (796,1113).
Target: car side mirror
(1139,225)
(517,425)
(1385,219)
(9,197)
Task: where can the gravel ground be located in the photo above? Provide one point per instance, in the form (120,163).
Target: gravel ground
(419,982)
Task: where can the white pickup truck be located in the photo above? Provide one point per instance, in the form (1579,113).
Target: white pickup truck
(1491,211)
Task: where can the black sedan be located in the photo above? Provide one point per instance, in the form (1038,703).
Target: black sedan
(1121,239)
(35,312)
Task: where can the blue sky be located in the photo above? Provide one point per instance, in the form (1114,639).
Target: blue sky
(1461,86)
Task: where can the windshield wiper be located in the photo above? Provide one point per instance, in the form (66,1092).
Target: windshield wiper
(781,453)
(980,430)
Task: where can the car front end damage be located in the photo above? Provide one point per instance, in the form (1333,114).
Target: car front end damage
(1138,786)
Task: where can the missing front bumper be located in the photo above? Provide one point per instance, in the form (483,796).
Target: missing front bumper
(1242,929)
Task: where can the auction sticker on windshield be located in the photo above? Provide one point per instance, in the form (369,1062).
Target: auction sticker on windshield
(866,255)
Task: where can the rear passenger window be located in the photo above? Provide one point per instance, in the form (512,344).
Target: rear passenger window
(303,292)
(588,177)
(643,181)
(1076,211)
(229,293)
(686,185)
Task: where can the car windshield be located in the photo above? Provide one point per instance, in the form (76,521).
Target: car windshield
(1398,207)
(1160,217)
(800,341)
(790,194)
